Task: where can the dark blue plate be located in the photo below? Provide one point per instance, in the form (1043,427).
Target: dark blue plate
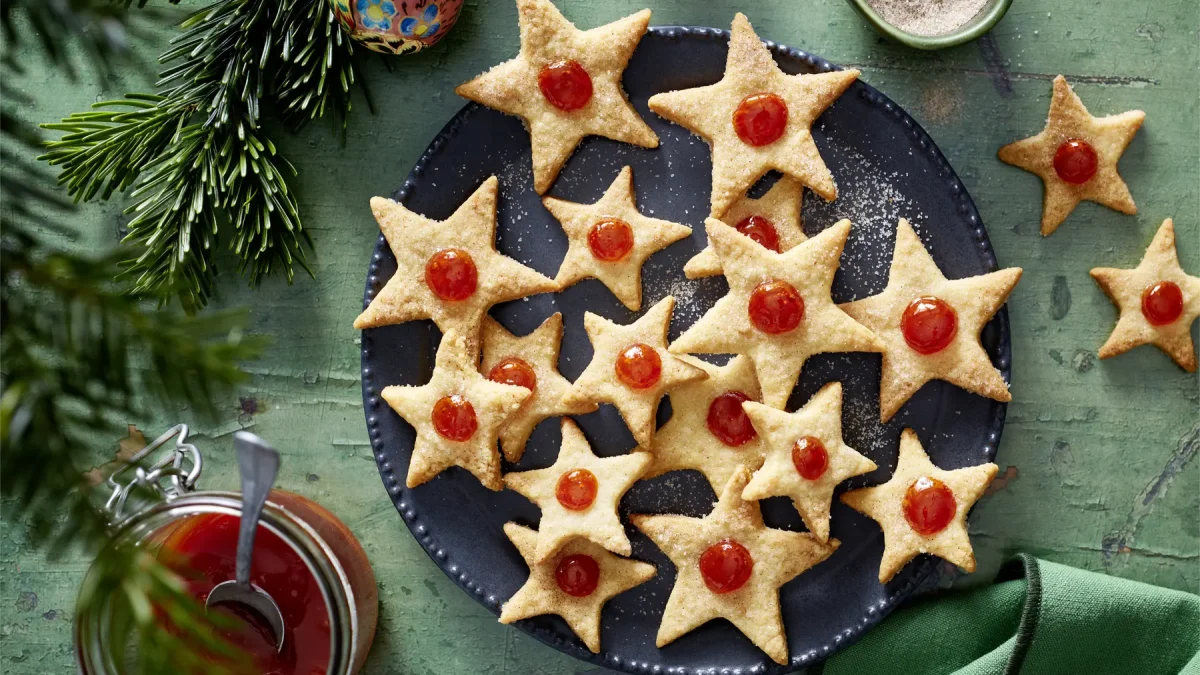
(885,166)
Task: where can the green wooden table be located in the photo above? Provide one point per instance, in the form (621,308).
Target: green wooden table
(1098,459)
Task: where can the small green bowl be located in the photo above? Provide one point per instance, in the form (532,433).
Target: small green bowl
(989,16)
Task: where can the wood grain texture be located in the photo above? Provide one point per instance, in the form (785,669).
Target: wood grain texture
(1098,461)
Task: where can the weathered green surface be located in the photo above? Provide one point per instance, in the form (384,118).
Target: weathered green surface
(1101,470)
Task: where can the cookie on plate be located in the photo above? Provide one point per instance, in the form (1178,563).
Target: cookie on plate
(773,221)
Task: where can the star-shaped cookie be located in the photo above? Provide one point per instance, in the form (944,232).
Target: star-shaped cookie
(757,275)
(687,441)
(806,457)
(1070,171)
(609,240)
(777,556)
(457,416)
(565,84)
(915,279)
(578,494)
(779,208)
(510,359)
(750,71)
(542,594)
(631,368)
(448,271)
(1158,302)
(885,504)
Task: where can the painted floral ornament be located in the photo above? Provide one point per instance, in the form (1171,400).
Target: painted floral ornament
(397,26)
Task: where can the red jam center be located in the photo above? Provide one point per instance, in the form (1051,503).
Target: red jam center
(577,575)
(929,506)
(514,371)
(639,366)
(761,230)
(566,85)
(576,489)
(610,239)
(1162,303)
(775,307)
(810,458)
(726,566)
(451,274)
(760,119)
(454,418)
(1075,161)
(728,422)
(929,325)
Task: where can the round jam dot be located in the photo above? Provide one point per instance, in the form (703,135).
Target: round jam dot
(1075,161)
(929,325)
(454,418)
(576,489)
(728,421)
(451,274)
(566,85)
(929,506)
(761,230)
(760,119)
(514,371)
(726,566)
(610,239)
(1162,303)
(810,458)
(577,575)
(639,366)
(775,307)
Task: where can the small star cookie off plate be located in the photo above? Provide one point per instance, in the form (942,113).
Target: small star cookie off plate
(885,168)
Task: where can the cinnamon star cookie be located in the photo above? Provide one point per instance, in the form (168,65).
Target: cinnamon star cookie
(565,84)
(773,221)
(1076,157)
(610,240)
(1158,302)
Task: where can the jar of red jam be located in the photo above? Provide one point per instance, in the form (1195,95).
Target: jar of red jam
(304,557)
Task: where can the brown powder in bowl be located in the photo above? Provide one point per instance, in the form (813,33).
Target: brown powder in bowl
(927,17)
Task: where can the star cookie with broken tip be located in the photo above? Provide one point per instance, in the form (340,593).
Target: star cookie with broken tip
(922,509)
(1076,157)
(1158,302)
(773,221)
(457,415)
(448,271)
(610,240)
(574,584)
(730,565)
(806,457)
(778,310)
(757,118)
(565,84)
(930,325)
(631,367)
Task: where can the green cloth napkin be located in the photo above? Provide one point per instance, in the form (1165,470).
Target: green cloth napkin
(1039,617)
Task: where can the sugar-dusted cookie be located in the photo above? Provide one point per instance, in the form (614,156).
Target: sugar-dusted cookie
(609,240)
(772,220)
(930,325)
(730,565)
(1076,157)
(574,584)
(565,84)
(922,509)
(530,362)
(708,430)
(806,457)
(448,271)
(631,368)
(578,494)
(1158,302)
(757,118)
(778,310)
(457,416)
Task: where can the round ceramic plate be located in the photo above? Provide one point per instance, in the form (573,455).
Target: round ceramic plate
(885,166)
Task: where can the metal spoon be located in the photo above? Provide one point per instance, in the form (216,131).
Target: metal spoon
(258,463)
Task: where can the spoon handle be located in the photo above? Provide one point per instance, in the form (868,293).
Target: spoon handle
(258,464)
